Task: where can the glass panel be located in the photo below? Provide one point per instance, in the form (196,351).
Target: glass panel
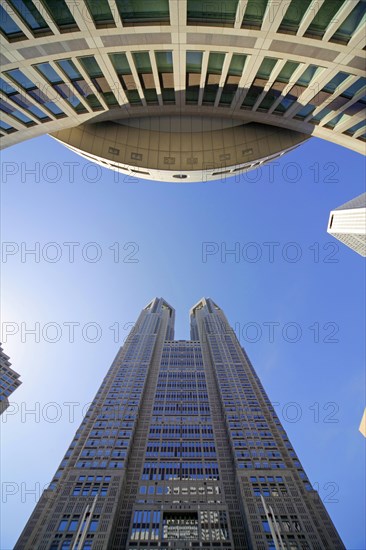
(133,97)
(268,100)
(5,126)
(252,96)
(22,102)
(69,68)
(322,114)
(151,96)
(28,12)
(266,67)
(91,66)
(11,110)
(43,100)
(33,91)
(49,73)
(60,86)
(100,11)
(194,67)
(6,88)
(307,75)
(355,19)
(120,63)
(21,79)
(143,11)
(164,61)
(341,117)
(60,13)
(356,127)
(254,14)
(287,71)
(215,63)
(305,111)
(323,18)
(285,104)
(293,16)
(237,65)
(142,62)
(354,88)
(221,13)
(8,26)
(335,82)
(194,62)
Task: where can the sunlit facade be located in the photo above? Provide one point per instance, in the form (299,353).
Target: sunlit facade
(347,223)
(181,448)
(9,380)
(183,90)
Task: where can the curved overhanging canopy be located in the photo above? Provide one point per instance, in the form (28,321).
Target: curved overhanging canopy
(275,70)
(179,148)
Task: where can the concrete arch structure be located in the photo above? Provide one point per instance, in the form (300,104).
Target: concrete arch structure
(242,81)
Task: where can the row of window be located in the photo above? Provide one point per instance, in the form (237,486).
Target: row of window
(157,471)
(77,86)
(205,525)
(147,12)
(177,490)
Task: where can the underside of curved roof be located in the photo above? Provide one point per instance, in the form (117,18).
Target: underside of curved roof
(298,66)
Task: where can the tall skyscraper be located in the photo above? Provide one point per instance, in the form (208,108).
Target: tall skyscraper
(183,90)
(181,448)
(9,380)
(347,223)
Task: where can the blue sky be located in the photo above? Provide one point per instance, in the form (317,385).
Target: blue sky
(312,364)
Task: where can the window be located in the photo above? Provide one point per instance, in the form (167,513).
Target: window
(254,14)
(30,15)
(353,21)
(265,526)
(8,26)
(13,112)
(100,13)
(323,18)
(293,16)
(212,13)
(194,67)
(336,81)
(62,525)
(73,525)
(93,70)
(164,62)
(144,12)
(93,526)
(180,525)
(266,67)
(60,13)
(214,69)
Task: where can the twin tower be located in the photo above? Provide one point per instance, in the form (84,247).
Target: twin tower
(181,448)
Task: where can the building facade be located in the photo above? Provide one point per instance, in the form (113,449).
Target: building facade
(181,448)
(183,90)
(9,380)
(347,223)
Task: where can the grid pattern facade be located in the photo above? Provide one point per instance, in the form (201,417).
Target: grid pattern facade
(9,380)
(347,223)
(181,448)
(297,65)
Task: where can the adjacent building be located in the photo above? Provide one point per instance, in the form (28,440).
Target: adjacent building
(362,427)
(181,448)
(183,90)
(347,223)
(9,380)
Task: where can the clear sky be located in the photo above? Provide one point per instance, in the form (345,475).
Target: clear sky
(298,309)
